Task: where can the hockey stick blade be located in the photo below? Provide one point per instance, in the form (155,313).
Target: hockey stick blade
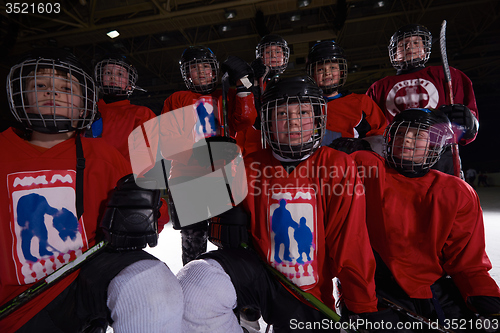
(444,55)
(449,92)
(414,316)
(55,276)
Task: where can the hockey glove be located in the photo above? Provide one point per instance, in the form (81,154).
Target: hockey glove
(229,229)
(487,307)
(463,120)
(377,321)
(218,151)
(131,218)
(238,70)
(350,145)
(259,69)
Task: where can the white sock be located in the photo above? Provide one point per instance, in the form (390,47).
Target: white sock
(145,297)
(209,298)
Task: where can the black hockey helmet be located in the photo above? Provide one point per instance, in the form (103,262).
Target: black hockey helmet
(56,73)
(399,37)
(193,56)
(416,139)
(274,40)
(102,70)
(327,52)
(281,92)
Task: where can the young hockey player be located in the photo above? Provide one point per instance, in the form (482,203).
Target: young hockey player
(55,186)
(417,86)
(349,115)
(302,220)
(426,227)
(200,70)
(116,79)
(271,58)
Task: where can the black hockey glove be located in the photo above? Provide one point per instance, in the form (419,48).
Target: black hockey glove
(237,69)
(350,145)
(259,69)
(489,308)
(461,116)
(131,218)
(219,150)
(229,229)
(377,321)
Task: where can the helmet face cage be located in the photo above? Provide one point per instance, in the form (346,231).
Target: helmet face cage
(267,50)
(51,96)
(308,115)
(198,65)
(115,77)
(328,67)
(412,147)
(409,40)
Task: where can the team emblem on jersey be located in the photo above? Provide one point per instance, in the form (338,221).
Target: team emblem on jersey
(46,233)
(208,114)
(292,226)
(409,94)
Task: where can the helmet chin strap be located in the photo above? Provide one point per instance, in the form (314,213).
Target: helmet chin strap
(50,124)
(298,158)
(287,159)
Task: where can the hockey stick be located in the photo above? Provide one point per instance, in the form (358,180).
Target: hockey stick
(44,284)
(413,315)
(449,91)
(309,298)
(225,89)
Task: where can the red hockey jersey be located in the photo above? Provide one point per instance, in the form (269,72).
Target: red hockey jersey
(425,228)
(422,89)
(119,120)
(33,243)
(310,224)
(347,112)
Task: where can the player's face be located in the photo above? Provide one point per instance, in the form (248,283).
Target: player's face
(410,48)
(327,73)
(295,125)
(51,92)
(411,144)
(201,73)
(273,56)
(115,76)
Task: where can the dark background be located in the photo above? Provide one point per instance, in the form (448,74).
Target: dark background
(155,32)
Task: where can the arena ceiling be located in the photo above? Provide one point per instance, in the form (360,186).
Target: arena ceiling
(153,34)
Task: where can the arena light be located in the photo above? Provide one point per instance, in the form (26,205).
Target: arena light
(230,14)
(225,28)
(113,34)
(303,3)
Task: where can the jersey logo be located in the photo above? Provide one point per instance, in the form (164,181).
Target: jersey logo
(415,93)
(208,122)
(292,226)
(46,233)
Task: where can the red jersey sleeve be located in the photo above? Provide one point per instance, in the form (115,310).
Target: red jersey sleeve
(345,226)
